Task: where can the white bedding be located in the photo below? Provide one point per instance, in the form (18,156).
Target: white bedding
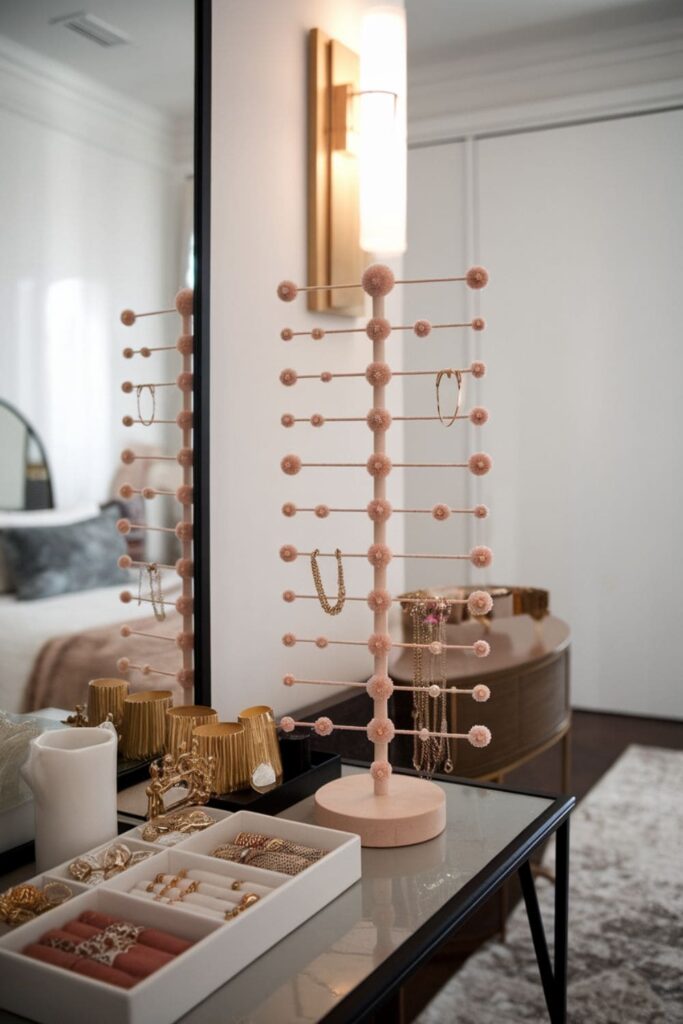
(26,625)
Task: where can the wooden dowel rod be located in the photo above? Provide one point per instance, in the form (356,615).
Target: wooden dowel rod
(395,643)
(362,330)
(152,636)
(148,670)
(158,529)
(400,511)
(402,600)
(145,423)
(152,384)
(146,565)
(397,465)
(414,280)
(395,373)
(397,732)
(147,600)
(363,686)
(364,554)
(363,419)
(155,312)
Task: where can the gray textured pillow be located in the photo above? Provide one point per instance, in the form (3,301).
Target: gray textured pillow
(51,560)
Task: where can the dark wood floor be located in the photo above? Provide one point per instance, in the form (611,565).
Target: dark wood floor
(597,742)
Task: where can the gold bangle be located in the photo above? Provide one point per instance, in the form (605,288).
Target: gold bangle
(458,376)
(330,609)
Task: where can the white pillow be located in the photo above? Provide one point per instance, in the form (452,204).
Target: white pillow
(40,517)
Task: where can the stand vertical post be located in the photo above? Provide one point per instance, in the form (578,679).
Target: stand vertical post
(187,509)
(381,617)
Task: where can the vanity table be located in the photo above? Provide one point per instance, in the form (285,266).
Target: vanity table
(350,960)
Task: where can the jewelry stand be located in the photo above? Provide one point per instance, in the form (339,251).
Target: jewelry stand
(183,530)
(385,810)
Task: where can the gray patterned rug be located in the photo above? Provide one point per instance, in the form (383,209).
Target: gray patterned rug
(626,913)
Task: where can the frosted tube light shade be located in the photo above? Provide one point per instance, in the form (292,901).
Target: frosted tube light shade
(382,148)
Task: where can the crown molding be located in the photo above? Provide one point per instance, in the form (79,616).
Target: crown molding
(607,74)
(53,95)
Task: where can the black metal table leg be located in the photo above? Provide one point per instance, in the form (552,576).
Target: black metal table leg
(533,912)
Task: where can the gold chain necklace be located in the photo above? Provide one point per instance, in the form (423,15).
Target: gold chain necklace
(430,712)
(336,608)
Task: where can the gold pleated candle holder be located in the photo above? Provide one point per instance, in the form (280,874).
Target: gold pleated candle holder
(181,722)
(144,723)
(264,763)
(106,696)
(225,742)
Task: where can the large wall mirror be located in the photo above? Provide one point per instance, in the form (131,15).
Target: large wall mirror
(102,118)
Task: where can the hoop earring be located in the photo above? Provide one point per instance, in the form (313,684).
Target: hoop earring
(155,592)
(330,609)
(152,390)
(458,377)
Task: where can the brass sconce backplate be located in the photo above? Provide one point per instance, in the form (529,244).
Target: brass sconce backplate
(334,252)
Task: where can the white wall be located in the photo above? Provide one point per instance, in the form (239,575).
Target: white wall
(581,228)
(90,216)
(259,238)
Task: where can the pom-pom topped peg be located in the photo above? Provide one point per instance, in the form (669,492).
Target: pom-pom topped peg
(377,280)
(477,277)
(287,291)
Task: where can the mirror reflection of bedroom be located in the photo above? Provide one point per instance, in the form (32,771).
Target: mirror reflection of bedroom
(96,206)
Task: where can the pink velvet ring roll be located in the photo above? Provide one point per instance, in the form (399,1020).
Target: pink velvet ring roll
(148,937)
(79,965)
(139,961)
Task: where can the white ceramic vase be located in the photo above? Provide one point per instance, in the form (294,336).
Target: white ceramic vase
(72,773)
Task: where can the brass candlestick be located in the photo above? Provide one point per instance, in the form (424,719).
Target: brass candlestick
(224,742)
(106,696)
(262,747)
(180,723)
(144,723)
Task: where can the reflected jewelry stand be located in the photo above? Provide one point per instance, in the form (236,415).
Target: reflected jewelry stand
(183,529)
(385,810)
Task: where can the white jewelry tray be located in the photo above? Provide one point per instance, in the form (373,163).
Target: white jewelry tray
(33,989)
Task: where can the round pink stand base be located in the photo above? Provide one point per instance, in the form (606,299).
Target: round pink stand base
(413,811)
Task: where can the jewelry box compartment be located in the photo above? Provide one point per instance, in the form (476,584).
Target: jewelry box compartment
(33,988)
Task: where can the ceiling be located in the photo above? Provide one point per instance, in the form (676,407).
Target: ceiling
(443,29)
(155,68)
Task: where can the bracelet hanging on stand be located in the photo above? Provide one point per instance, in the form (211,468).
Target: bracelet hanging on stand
(336,608)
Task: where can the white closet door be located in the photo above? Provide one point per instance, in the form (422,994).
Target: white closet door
(582,230)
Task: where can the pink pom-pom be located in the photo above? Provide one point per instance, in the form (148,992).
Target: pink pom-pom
(184,381)
(423,734)
(379,465)
(288,377)
(184,606)
(289,640)
(323,726)
(288,596)
(287,291)
(126,491)
(479,463)
(379,510)
(381,730)
(379,555)
(128,353)
(422,328)
(321,642)
(127,317)
(127,387)
(185,641)
(326,376)
(481,511)
(291,464)
(125,596)
(477,277)
(145,352)
(127,456)
(288,680)
(148,493)
(317,420)
(322,511)
(185,457)
(184,494)
(289,509)
(479,415)
(478,369)
(481,693)
(183,531)
(478,324)
(379,643)
(286,333)
(379,600)
(481,556)
(185,677)
(185,344)
(184,301)
(441,512)
(377,280)
(317,334)
(479,603)
(184,567)
(380,771)
(288,553)
(123,664)
(287,724)
(380,687)
(378,374)
(184,419)
(123,525)
(379,420)
(287,420)
(479,736)
(125,631)
(436,648)
(378,328)
(125,562)
(481,648)
(434,690)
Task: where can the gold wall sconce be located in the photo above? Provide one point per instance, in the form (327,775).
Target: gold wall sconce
(356,156)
